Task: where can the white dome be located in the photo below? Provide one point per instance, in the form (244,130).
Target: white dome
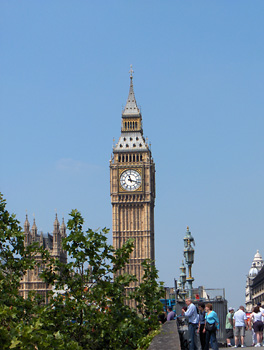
(253,272)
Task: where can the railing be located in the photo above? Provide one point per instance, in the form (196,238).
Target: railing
(203,294)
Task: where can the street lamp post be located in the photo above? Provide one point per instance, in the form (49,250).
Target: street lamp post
(183,280)
(189,259)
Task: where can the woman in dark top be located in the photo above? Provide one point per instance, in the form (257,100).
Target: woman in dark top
(201,307)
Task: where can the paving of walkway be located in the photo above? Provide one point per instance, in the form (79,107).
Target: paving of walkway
(169,339)
(248,342)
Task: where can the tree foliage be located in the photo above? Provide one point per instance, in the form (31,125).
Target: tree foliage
(92,312)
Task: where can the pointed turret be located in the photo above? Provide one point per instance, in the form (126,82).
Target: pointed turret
(26,230)
(56,237)
(63,229)
(131,139)
(26,225)
(131,108)
(34,230)
(56,224)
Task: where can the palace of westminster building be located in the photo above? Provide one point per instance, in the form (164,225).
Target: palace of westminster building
(132,189)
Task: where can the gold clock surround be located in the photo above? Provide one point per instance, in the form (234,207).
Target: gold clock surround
(122,170)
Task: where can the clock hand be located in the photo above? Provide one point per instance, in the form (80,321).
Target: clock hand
(135,181)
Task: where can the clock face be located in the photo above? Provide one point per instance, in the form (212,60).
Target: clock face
(130,180)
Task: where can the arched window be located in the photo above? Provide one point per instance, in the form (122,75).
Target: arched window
(125,125)
(136,125)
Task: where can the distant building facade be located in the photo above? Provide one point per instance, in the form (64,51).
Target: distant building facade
(255,283)
(31,280)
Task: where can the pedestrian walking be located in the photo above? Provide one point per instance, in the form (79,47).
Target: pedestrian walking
(229,326)
(240,326)
(262,310)
(201,308)
(256,320)
(254,336)
(211,325)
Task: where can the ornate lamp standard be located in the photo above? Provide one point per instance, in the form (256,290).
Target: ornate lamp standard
(189,259)
(182,280)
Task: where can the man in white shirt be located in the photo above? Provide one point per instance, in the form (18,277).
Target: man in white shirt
(240,325)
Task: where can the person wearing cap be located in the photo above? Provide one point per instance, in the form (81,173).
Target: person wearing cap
(229,326)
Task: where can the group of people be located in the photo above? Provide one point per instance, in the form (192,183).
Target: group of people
(203,324)
(237,323)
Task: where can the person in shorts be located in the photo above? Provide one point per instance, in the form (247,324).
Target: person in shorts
(262,310)
(240,325)
(229,326)
(256,319)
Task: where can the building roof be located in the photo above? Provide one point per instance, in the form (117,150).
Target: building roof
(131,141)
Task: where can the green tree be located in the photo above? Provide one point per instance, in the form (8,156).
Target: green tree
(21,326)
(148,294)
(92,312)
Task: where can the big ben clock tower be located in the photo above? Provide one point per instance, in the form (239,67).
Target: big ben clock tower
(132,187)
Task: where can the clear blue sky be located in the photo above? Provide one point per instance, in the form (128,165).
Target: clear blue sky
(198,78)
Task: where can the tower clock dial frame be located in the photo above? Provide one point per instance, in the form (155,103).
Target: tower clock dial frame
(130,180)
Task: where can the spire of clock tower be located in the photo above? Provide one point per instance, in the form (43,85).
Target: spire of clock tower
(131,129)
(131,108)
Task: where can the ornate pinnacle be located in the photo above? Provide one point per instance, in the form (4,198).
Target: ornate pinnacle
(131,71)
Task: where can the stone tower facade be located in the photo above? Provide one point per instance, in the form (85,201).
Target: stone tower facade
(132,187)
(31,280)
